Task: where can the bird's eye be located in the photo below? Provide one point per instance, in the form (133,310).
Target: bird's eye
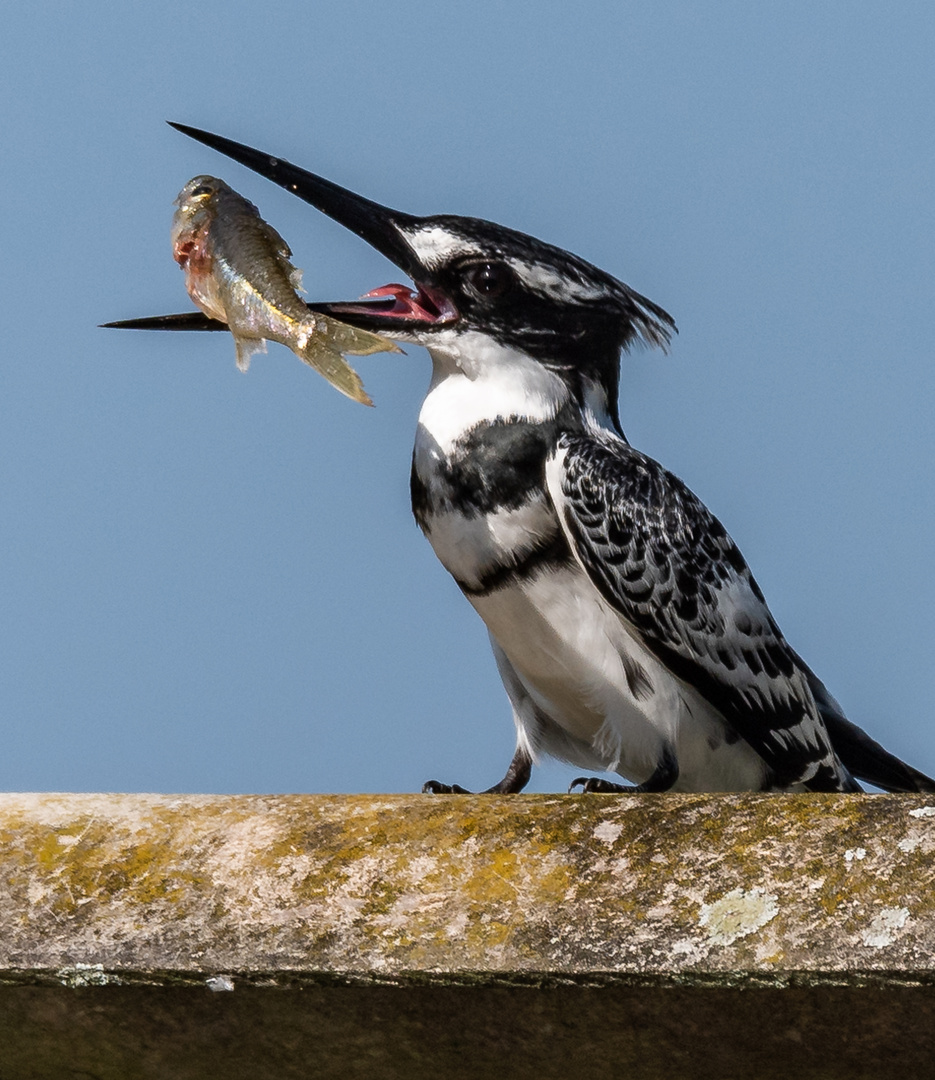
(489,280)
(202,189)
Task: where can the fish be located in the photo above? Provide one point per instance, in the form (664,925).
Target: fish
(237,270)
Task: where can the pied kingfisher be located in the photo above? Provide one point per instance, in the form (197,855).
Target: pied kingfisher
(628,630)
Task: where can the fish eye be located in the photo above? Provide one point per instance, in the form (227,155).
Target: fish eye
(488,279)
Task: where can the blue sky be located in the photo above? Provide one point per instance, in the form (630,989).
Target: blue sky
(212,582)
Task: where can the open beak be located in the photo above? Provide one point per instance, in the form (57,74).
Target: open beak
(394,310)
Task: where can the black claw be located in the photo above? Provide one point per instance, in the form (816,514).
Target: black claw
(435,787)
(594,785)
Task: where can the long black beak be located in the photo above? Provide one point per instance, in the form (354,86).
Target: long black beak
(376,224)
(188,320)
(197,320)
(391,308)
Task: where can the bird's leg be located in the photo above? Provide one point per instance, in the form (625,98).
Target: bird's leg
(662,779)
(517,777)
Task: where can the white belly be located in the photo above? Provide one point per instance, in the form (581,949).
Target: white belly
(569,649)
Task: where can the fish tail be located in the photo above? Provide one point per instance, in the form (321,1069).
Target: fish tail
(328,361)
(322,343)
(347,339)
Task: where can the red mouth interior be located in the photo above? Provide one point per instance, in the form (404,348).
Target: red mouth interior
(425,305)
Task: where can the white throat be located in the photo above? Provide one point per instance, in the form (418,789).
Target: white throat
(474,379)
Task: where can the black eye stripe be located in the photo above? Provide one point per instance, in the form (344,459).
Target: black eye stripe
(202,189)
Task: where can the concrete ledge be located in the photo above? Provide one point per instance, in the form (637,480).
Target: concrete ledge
(743,935)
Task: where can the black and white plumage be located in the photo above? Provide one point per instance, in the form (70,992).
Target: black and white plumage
(628,630)
(665,563)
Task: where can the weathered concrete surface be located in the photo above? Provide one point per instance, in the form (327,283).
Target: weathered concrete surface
(684,888)
(710,935)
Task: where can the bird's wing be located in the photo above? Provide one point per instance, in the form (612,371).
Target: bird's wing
(666,564)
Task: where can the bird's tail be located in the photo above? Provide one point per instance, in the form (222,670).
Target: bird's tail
(866,759)
(862,756)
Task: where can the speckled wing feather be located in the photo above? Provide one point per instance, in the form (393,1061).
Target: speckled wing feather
(667,565)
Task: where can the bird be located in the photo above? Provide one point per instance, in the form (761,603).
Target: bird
(628,630)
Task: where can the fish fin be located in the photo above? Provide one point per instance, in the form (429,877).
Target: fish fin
(314,346)
(347,339)
(246,347)
(283,255)
(319,355)
(321,343)
(277,243)
(295,276)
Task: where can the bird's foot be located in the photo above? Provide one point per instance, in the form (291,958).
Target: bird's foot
(434,787)
(517,777)
(595,785)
